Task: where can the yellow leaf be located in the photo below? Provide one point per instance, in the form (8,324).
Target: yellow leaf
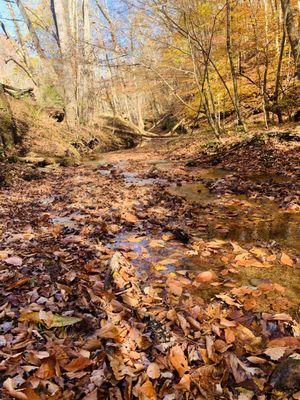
(54,320)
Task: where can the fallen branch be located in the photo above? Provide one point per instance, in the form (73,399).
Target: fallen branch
(15,92)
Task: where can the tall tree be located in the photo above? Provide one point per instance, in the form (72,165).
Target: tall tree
(65,46)
(233,69)
(289,13)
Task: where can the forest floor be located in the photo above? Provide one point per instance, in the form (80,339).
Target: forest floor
(154,273)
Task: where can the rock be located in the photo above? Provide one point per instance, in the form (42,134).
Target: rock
(287,375)
(181,235)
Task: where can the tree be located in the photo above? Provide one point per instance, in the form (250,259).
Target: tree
(65,46)
(289,13)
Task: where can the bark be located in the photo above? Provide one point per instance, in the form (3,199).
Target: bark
(68,81)
(8,129)
(292,30)
(87,78)
(232,66)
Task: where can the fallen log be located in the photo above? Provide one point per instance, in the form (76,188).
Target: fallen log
(118,122)
(15,92)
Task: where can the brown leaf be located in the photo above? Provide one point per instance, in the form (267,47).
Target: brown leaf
(8,385)
(206,276)
(91,396)
(287,341)
(286,260)
(31,394)
(275,353)
(184,383)
(240,370)
(46,370)
(147,391)
(14,260)
(131,218)
(110,331)
(78,364)
(178,360)
(153,371)
(21,282)
(174,287)
(229,335)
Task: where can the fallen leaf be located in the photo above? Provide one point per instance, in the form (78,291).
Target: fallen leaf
(8,385)
(147,391)
(275,353)
(54,321)
(184,383)
(109,331)
(229,335)
(21,282)
(206,276)
(178,360)
(286,260)
(78,364)
(14,260)
(174,287)
(153,371)
(287,341)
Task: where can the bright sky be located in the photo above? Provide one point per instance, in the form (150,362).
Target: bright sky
(5,16)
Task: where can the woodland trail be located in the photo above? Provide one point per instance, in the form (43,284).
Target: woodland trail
(214,272)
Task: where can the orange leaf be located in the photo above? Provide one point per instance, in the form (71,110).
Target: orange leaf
(31,394)
(46,370)
(229,336)
(178,360)
(287,341)
(147,391)
(78,364)
(153,371)
(206,276)
(184,383)
(110,331)
(18,283)
(286,260)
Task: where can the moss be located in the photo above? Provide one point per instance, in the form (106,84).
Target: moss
(67,161)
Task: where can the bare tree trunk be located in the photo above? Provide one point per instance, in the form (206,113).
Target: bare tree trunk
(292,31)
(8,132)
(87,98)
(232,66)
(63,34)
(277,81)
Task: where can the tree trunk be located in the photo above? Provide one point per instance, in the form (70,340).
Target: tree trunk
(87,78)
(69,81)
(232,66)
(292,31)
(8,130)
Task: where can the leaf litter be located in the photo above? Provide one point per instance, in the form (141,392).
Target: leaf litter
(80,320)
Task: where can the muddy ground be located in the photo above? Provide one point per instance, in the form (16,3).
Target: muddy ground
(138,275)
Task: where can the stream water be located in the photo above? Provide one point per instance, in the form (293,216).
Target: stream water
(231,217)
